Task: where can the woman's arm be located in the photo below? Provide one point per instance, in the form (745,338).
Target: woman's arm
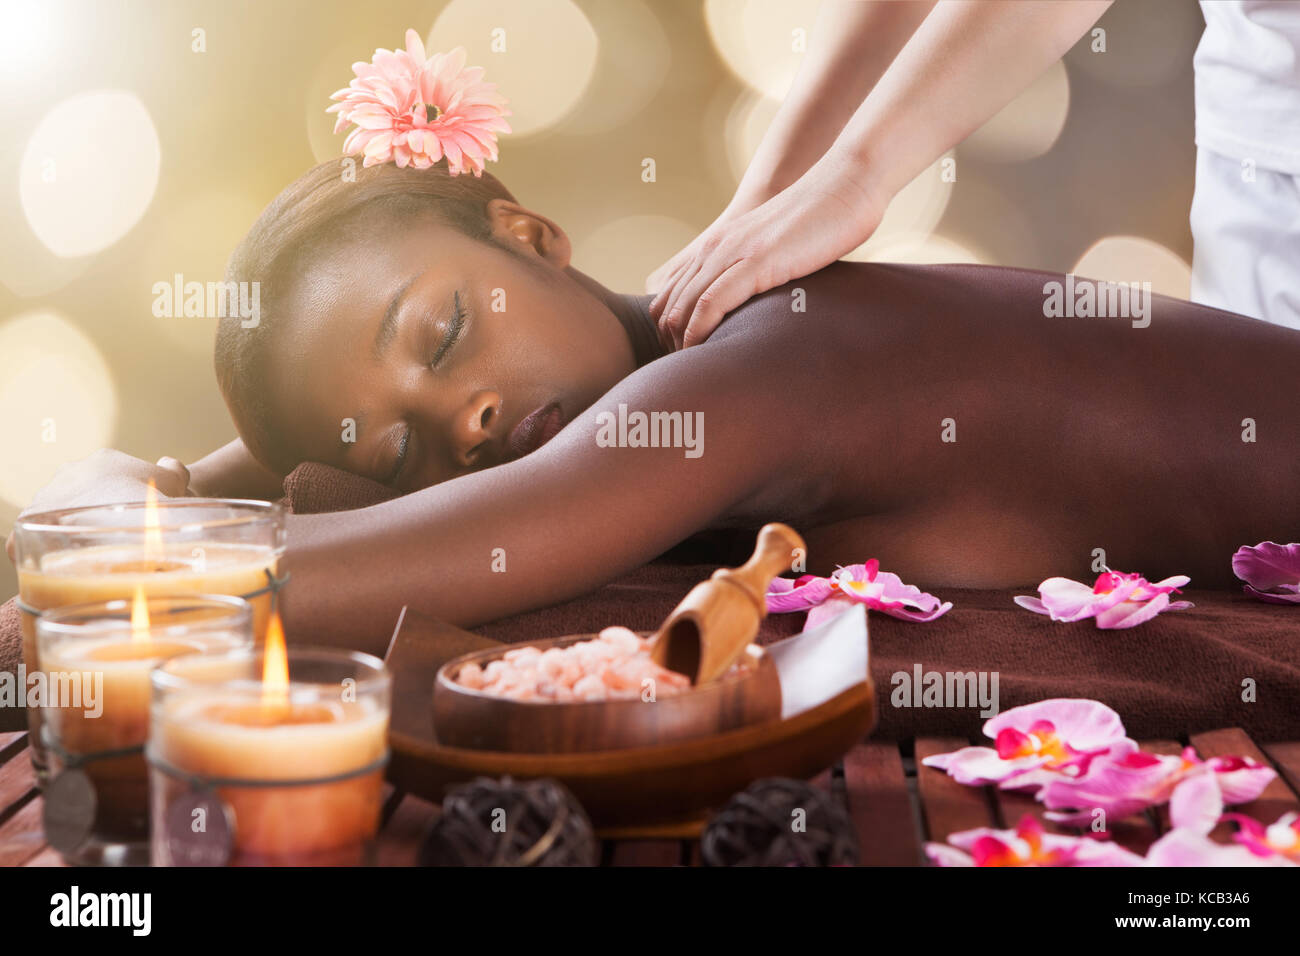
(231,472)
(550,526)
(965,61)
(852,43)
(963,64)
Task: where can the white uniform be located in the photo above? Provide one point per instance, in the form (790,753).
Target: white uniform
(1246,210)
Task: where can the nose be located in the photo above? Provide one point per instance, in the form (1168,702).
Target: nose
(475,428)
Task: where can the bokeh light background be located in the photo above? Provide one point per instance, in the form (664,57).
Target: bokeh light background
(128,157)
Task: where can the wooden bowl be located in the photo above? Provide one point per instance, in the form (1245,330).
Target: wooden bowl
(660,791)
(475,720)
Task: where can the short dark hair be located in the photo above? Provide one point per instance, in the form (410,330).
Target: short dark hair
(318,210)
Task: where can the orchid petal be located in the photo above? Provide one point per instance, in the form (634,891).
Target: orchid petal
(944,855)
(1196,804)
(1085,725)
(1273,597)
(1268,565)
(1131,614)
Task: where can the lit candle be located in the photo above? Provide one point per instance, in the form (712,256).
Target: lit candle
(96,662)
(293,743)
(180,546)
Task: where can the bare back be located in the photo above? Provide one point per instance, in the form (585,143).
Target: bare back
(1069,434)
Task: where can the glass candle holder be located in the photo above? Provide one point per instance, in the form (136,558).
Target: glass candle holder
(244,772)
(96,659)
(170,547)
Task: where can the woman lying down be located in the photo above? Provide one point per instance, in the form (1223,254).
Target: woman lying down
(428,332)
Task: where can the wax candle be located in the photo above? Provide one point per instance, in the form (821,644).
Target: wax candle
(177,546)
(296,759)
(96,662)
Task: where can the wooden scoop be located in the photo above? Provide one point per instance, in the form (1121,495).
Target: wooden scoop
(719,618)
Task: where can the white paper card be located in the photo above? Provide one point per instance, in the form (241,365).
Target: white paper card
(816,665)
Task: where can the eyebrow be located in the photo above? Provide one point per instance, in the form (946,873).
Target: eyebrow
(388,326)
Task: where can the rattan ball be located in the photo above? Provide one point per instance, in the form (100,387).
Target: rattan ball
(508,822)
(780,822)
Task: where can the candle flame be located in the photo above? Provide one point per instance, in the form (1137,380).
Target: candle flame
(139,617)
(275,668)
(153,543)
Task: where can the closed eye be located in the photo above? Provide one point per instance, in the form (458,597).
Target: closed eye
(454,330)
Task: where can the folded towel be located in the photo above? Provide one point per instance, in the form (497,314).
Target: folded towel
(1182,673)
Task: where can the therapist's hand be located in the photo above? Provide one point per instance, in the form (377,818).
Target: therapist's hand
(798,231)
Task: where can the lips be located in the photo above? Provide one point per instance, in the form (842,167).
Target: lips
(536,429)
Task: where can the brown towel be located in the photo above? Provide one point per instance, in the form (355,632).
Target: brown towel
(314,489)
(1182,673)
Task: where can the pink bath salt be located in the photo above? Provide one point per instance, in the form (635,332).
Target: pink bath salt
(550,664)
(494,671)
(623,676)
(590,687)
(615,665)
(471,676)
(522,656)
(671,681)
(621,638)
(571,673)
(590,653)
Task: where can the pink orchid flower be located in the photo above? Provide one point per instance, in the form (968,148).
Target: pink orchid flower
(825,598)
(1036,743)
(415,110)
(1116,600)
(1129,783)
(1271,571)
(1189,848)
(1281,839)
(1195,807)
(1027,845)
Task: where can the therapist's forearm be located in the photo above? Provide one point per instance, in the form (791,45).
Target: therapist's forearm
(851,46)
(965,62)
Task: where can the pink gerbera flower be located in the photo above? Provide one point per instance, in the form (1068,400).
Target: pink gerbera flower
(415,110)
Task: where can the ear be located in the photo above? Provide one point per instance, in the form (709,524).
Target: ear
(528,232)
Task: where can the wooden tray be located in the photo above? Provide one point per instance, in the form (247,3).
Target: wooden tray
(661,789)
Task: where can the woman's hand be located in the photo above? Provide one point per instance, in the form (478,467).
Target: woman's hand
(106,477)
(658,279)
(798,231)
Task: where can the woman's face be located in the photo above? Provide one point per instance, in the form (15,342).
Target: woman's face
(418,354)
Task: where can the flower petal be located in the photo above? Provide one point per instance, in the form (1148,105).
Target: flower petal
(1131,614)
(1196,803)
(1067,600)
(1086,725)
(1268,565)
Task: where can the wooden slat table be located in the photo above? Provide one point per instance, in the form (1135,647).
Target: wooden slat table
(895,807)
